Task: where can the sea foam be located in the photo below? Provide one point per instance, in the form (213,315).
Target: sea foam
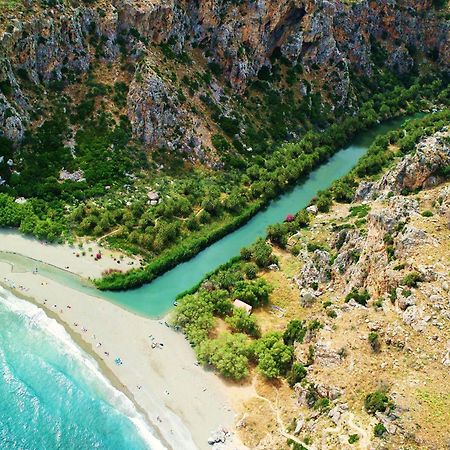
(36,317)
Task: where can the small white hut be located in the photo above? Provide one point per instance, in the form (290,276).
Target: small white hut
(240,304)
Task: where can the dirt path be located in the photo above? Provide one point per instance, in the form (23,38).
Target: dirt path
(276,410)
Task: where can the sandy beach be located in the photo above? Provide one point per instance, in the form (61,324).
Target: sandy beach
(67,257)
(181,400)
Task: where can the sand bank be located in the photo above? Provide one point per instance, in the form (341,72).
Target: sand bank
(67,257)
(182,401)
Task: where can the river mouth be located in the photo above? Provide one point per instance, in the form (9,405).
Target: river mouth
(155,299)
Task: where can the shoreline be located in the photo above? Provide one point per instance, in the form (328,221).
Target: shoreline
(183,403)
(86,348)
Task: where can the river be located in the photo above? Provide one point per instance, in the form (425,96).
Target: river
(156,298)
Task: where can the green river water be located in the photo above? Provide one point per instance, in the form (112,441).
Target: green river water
(156,298)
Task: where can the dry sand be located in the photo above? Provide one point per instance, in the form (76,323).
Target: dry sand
(181,400)
(65,256)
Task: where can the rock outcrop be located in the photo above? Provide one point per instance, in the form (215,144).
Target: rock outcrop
(419,170)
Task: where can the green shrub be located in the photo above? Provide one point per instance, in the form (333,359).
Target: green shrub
(427,213)
(322,404)
(412,279)
(296,374)
(359,211)
(220,143)
(295,332)
(360,297)
(379,430)
(374,341)
(353,438)
(377,401)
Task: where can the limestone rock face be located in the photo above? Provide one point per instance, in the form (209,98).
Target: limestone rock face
(11,121)
(418,170)
(328,38)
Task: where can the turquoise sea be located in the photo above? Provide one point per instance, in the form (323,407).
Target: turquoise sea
(52,394)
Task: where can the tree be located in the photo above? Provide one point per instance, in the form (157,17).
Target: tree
(295,332)
(276,234)
(228,354)
(166,233)
(255,292)
(10,212)
(219,300)
(194,315)
(261,253)
(212,205)
(227,278)
(250,270)
(242,322)
(246,253)
(343,191)
(302,219)
(324,201)
(274,357)
(235,202)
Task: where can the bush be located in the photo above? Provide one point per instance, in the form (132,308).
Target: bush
(296,374)
(377,401)
(295,332)
(220,143)
(353,438)
(427,213)
(360,297)
(412,279)
(374,341)
(359,211)
(379,430)
(322,404)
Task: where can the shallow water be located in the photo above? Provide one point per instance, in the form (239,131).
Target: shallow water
(52,394)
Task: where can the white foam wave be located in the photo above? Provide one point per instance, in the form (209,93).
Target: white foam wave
(87,365)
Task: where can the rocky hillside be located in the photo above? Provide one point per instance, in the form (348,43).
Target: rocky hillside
(373,277)
(194,71)
(333,332)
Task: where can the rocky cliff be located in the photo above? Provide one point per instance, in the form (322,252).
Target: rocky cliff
(237,41)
